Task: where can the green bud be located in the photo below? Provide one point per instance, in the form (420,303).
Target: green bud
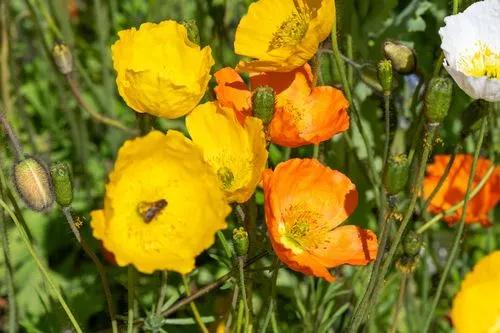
(62,58)
(406,264)
(402,57)
(263,104)
(396,174)
(63,187)
(240,241)
(192,31)
(412,242)
(438,99)
(33,184)
(384,73)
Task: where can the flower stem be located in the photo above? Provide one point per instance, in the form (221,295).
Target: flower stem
(162,293)
(244,296)
(100,268)
(42,268)
(18,149)
(461,228)
(399,304)
(131,299)
(270,308)
(193,306)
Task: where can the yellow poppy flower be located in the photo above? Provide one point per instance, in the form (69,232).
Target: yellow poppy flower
(283,34)
(235,150)
(476,307)
(162,205)
(159,70)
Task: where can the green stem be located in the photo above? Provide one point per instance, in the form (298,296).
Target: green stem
(460,231)
(194,309)
(460,204)
(270,308)
(42,268)
(399,304)
(18,149)
(244,296)
(100,268)
(131,298)
(163,292)
(315,151)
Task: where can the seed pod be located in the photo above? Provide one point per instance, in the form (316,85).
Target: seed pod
(384,73)
(406,264)
(396,174)
(63,187)
(263,100)
(438,99)
(62,58)
(412,243)
(33,184)
(192,31)
(402,57)
(240,241)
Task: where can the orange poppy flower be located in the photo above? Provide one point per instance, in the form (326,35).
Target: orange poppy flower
(305,202)
(454,187)
(303,115)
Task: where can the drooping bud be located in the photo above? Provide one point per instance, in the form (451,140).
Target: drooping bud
(384,73)
(412,243)
(63,187)
(62,58)
(192,31)
(240,241)
(438,99)
(396,174)
(402,57)
(263,100)
(33,184)
(406,264)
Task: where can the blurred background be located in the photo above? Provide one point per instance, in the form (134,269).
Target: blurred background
(52,125)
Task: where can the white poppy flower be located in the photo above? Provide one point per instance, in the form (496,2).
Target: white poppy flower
(471,45)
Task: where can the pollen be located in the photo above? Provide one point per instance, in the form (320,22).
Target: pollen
(483,62)
(226,177)
(290,32)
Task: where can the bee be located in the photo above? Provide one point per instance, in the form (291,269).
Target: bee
(149,210)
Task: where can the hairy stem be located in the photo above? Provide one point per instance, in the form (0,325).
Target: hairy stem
(193,306)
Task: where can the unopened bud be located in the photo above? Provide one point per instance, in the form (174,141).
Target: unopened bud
(406,264)
(412,242)
(402,57)
(240,241)
(396,174)
(384,73)
(63,187)
(438,99)
(62,58)
(193,33)
(263,100)
(33,184)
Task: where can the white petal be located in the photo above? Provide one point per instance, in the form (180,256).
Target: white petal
(476,87)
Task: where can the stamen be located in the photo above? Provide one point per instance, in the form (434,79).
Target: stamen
(290,32)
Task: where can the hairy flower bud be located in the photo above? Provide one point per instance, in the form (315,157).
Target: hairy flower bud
(384,73)
(412,242)
(438,99)
(62,58)
(63,187)
(402,57)
(33,184)
(192,31)
(396,174)
(240,241)
(263,104)
(406,264)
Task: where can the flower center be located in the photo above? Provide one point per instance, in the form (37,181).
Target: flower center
(301,229)
(484,62)
(290,32)
(149,210)
(226,177)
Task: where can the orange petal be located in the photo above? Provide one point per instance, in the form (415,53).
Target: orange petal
(296,83)
(347,245)
(231,91)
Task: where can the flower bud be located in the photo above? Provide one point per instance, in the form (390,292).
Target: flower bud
(33,184)
(438,99)
(63,187)
(396,174)
(192,31)
(263,104)
(384,73)
(62,58)
(402,57)
(406,264)
(240,241)
(412,243)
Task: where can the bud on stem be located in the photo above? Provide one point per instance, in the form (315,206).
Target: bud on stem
(384,73)
(263,100)
(438,99)
(62,58)
(240,241)
(396,174)
(63,187)
(33,184)
(402,57)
